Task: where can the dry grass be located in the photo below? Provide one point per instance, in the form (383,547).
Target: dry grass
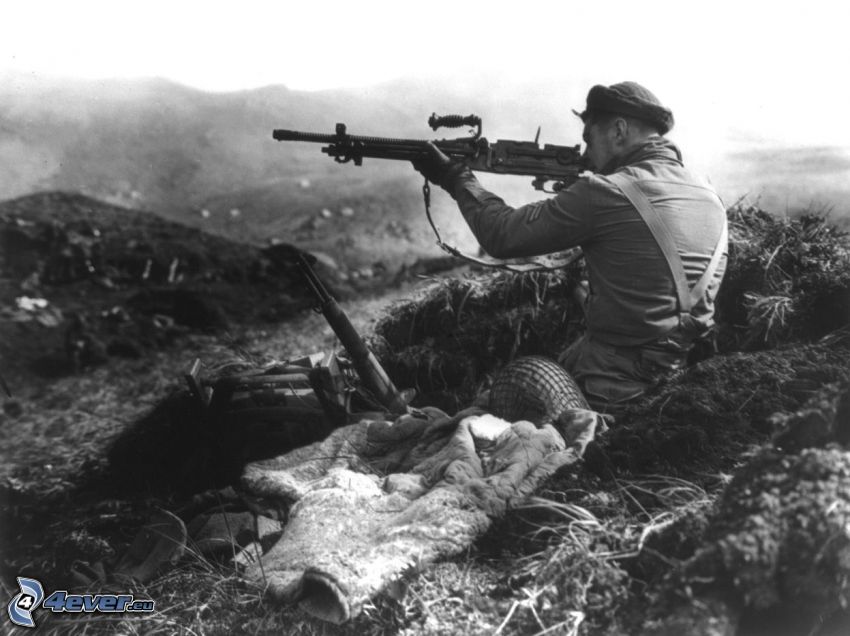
(573,577)
(788,279)
(768,318)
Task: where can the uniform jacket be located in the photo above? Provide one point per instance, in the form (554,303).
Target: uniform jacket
(633,299)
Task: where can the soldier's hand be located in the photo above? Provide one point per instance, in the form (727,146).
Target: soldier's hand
(435,166)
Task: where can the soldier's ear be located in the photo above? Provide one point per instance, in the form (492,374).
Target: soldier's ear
(621,127)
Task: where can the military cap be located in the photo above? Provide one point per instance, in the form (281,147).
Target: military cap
(630,99)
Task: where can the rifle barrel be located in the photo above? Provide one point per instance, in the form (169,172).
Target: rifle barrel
(294,135)
(316,286)
(281,134)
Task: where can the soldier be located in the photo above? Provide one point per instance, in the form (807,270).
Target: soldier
(654,237)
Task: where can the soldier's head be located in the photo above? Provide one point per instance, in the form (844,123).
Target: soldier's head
(619,117)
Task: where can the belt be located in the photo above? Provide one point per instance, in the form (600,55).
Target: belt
(636,352)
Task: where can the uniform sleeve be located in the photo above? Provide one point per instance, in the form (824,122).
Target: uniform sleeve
(543,227)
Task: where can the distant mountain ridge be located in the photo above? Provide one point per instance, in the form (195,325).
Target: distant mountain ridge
(152,142)
(208,159)
(158,145)
(172,148)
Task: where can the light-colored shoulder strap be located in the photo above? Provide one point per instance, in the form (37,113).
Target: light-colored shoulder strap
(661,234)
(702,284)
(687,297)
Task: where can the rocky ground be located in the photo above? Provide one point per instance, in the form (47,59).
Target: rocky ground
(717,505)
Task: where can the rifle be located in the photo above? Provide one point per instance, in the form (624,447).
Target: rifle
(560,165)
(375,380)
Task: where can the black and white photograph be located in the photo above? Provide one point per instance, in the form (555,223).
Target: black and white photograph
(424,318)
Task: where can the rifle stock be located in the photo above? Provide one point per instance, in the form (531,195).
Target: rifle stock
(375,380)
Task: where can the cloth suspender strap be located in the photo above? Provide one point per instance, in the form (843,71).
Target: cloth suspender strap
(698,290)
(661,234)
(687,297)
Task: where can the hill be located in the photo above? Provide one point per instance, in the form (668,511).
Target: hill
(82,280)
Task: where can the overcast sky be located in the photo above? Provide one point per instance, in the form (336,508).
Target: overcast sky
(776,67)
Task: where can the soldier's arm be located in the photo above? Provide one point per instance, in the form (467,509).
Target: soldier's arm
(543,227)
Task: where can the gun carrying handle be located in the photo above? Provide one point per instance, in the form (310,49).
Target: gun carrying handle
(454,121)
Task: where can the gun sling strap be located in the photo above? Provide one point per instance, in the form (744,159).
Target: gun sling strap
(545,262)
(687,298)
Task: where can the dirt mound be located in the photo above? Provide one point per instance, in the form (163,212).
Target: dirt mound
(705,418)
(83,280)
(777,553)
(446,343)
(787,279)
(52,234)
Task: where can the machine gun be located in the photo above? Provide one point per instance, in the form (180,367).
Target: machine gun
(558,165)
